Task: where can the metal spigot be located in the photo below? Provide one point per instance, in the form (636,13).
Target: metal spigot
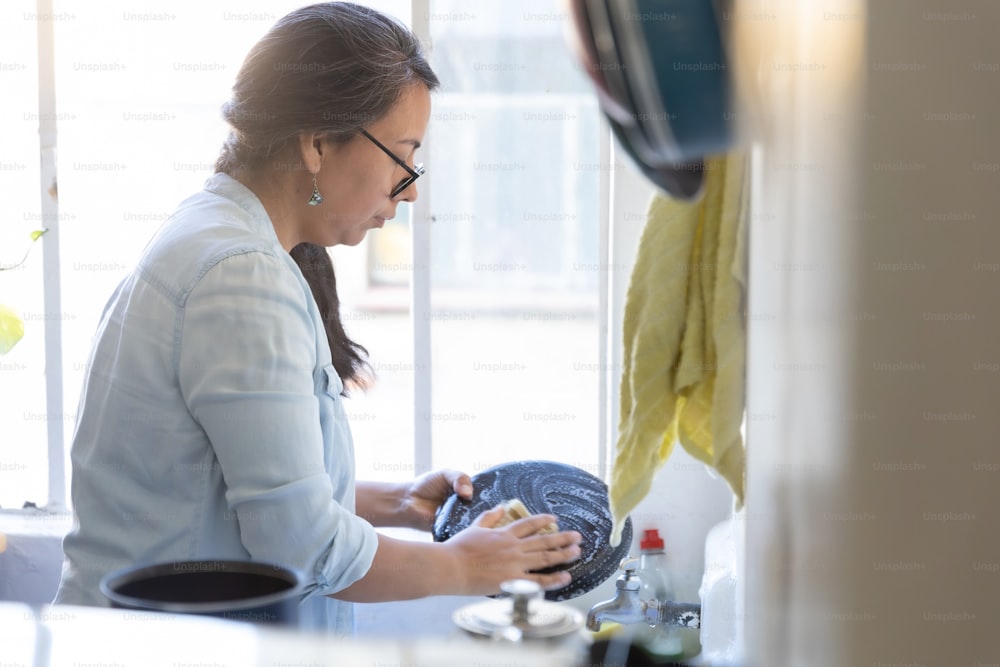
(626,607)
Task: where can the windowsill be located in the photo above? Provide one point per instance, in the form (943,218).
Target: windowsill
(39,523)
(35,523)
(31,558)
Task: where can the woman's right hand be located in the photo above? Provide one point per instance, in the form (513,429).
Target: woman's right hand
(473,562)
(486,556)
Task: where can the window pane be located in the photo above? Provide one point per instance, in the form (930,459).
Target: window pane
(382,416)
(513,185)
(23,416)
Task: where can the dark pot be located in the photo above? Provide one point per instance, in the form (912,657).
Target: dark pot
(236,590)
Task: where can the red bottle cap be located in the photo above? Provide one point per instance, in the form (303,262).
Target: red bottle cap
(651,540)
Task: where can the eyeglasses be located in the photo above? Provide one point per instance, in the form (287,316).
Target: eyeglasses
(414,174)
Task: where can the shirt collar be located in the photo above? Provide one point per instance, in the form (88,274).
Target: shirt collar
(226,186)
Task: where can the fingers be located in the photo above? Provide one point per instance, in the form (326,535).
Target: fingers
(489,518)
(556,541)
(526,530)
(547,557)
(457,481)
(461,483)
(532,524)
(493,555)
(551,582)
(550,549)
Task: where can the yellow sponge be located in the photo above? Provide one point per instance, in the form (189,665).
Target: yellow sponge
(608,630)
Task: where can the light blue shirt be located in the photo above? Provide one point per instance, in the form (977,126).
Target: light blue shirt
(211,423)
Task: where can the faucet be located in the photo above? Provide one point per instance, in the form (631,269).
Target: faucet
(626,607)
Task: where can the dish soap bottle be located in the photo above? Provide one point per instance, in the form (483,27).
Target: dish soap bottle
(660,641)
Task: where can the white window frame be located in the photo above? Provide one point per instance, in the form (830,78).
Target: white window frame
(420,290)
(52,278)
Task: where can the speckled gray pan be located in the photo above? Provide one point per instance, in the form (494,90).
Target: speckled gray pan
(578,499)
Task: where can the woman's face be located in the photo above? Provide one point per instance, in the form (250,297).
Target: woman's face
(357,177)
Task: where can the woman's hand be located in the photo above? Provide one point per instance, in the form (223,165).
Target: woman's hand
(486,556)
(422,498)
(409,504)
(474,562)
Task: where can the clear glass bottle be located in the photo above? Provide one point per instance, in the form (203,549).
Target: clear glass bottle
(660,641)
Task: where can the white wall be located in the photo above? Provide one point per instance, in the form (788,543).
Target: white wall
(872,476)
(926,565)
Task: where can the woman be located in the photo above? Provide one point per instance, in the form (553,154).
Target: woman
(211,422)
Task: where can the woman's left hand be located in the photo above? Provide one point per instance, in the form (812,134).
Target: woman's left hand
(425,494)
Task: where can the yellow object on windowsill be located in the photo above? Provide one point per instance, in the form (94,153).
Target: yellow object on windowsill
(685,339)
(11,324)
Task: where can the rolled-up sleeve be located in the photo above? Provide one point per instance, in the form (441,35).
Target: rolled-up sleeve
(246,361)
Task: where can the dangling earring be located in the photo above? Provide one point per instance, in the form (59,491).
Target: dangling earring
(316,198)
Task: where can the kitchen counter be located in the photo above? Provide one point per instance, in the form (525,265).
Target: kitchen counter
(61,635)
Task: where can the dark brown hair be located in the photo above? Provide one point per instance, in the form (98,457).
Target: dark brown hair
(335,67)
(349,358)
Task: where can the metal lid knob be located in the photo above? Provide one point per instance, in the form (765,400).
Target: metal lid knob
(522,592)
(526,616)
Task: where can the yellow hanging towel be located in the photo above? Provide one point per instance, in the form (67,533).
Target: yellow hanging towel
(685,339)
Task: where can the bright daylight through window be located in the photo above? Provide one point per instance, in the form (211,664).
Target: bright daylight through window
(510,199)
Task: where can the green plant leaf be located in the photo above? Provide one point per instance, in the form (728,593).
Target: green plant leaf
(35,235)
(11,329)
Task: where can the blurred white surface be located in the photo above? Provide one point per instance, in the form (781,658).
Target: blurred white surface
(68,635)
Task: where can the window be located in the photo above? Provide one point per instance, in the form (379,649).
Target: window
(23,415)
(507,333)
(511,194)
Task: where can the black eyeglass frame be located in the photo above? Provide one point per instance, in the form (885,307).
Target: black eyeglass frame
(416,172)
